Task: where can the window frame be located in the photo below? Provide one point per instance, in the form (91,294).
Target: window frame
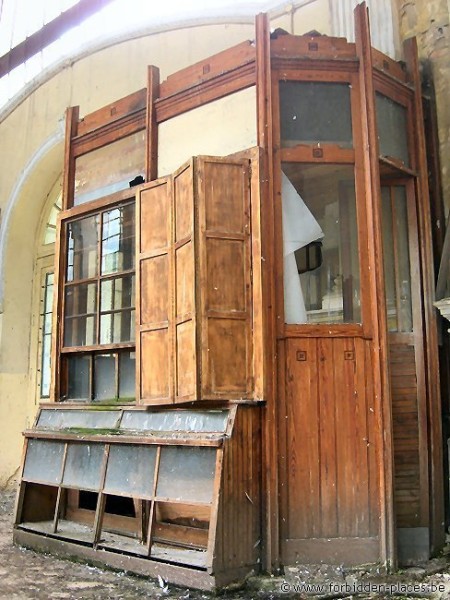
(59,385)
(323,153)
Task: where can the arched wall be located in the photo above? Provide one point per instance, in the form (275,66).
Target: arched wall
(31,154)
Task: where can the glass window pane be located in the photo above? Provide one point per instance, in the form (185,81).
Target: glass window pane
(80,321)
(105,377)
(392,123)
(79,373)
(186,473)
(127,375)
(83,466)
(396,258)
(118,292)
(118,240)
(44,461)
(82,248)
(130,470)
(79,419)
(46,334)
(404,271)
(389,267)
(117,327)
(175,420)
(319,205)
(308,113)
(110,168)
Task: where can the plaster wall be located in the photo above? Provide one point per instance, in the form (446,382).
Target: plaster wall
(219,128)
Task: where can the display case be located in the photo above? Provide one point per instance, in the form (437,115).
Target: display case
(145,490)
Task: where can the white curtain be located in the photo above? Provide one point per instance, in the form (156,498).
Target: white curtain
(300,228)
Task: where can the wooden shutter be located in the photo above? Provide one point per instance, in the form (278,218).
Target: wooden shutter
(154,293)
(194,284)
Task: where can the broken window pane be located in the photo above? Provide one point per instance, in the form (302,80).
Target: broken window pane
(319,204)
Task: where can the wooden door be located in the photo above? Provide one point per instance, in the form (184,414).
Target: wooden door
(407,366)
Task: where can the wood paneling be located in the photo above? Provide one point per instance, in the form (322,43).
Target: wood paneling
(330,465)
(154,308)
(406,435)
(194,282)
(238,538)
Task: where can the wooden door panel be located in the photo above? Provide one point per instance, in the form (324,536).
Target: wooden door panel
(331,474)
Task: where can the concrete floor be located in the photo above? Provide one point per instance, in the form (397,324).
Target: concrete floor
(25,574)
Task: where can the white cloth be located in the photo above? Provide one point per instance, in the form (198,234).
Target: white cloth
(300,228)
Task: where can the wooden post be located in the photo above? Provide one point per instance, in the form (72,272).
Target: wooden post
(72,114)
(380,349)
(270,554)
(151,145)
(436,489)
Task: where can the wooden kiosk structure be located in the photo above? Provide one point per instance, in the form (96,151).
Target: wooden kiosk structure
(245,362)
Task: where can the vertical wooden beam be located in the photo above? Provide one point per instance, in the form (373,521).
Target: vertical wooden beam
(151,145)
(436,490)
(72,114)
(380,348)
(270,504)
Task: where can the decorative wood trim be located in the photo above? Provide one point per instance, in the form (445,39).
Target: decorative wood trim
(151,146)
(329,153)
(436,491)
(270,481)
(380,358)
(209,68)
(84,210)
(112,112)
(325,330)
(199,94)
(317,47)
(111,132)
(194,439)
(387,66)
(328,66)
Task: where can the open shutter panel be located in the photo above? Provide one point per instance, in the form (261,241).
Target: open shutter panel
(194,283)
(154,302)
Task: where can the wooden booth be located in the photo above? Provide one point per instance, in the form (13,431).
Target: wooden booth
(244,356)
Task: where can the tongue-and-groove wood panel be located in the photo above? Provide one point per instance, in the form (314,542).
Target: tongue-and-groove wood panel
(406,433)
(195,284)
(331,477)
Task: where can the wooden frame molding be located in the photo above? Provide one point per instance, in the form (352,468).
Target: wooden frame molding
(379,359)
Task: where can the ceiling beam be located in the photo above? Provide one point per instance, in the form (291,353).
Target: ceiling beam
(49,33)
